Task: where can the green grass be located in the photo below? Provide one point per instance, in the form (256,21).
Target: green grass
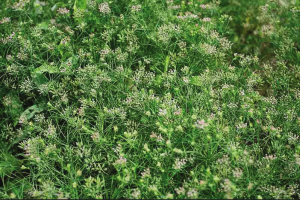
(149,99)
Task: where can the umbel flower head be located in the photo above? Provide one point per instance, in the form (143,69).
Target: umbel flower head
(201,124)
(104,8)
(63,11)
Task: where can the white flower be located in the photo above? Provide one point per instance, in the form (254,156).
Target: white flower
(136,194)
(162,112)
(63,11)
(136,8)
(179,163)
(201,124)
(121,161)
(104,8)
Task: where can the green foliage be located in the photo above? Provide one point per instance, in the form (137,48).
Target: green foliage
(149,99)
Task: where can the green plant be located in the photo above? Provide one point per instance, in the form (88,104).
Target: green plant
(148,99)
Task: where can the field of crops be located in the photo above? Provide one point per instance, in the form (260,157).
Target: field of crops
(150,99)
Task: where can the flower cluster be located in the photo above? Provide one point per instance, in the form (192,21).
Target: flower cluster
(63,11)
(136,8)
(5,20)
(136,92)
(104,8)
(201,124)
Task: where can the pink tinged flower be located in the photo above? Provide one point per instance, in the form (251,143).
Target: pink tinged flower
(257,121)
(201,124)
(63,11)
(178,112)
(197,25)
(206,19)
(273,129)
(202,182)
(203,6)
(270,157)
(153,135)
(121,161)
(5,20)
(136,8)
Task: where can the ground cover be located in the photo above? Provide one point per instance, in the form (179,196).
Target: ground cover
(149,99)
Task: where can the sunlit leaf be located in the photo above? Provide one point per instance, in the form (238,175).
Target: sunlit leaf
(31,111)
(196,80)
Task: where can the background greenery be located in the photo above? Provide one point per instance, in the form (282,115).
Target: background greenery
(149,99)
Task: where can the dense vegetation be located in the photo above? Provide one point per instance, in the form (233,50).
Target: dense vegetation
(149,99)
